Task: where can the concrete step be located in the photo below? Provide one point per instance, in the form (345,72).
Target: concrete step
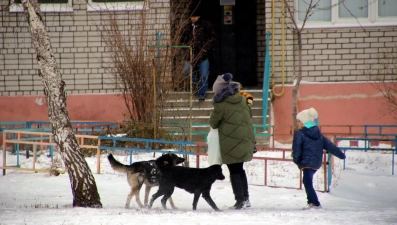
(257,94)
(202,119)
(185,112)
(200,104)
(202,137)
(176,113)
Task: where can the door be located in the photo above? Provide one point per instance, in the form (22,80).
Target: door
(235,47)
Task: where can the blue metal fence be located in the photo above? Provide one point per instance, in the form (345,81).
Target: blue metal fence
(84,127)
(368,147)
(147,143)
(385,133)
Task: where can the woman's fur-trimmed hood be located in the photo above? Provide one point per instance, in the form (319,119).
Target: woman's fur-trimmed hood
(227,91)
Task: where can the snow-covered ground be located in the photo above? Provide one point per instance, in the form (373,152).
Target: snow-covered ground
(363,193)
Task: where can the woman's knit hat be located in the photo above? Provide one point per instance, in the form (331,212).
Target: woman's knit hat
(307,115)
(221,82)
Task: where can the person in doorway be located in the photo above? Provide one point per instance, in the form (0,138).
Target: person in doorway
(232,117)
(200,35)
(307,152)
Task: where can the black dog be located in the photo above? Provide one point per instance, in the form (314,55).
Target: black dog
(139,173)
(192,180)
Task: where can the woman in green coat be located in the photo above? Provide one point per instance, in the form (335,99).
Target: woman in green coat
(232,118)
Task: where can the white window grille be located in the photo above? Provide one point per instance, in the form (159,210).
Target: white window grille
(115,5)
(45,6)
(348,13)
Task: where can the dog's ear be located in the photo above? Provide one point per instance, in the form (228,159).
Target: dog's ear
(166,163)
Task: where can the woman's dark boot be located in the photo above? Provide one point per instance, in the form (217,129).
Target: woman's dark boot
(237,186)
(245,188)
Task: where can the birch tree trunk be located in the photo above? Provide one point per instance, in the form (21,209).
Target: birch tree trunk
(298,31)
(298,81)
(84,190)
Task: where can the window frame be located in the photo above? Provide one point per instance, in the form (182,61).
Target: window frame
(373,18)
(46,7)
(116,6)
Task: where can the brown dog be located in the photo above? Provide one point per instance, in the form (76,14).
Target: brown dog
(139,173)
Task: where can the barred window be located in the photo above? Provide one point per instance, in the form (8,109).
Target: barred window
(104,1)
(349,13)
(115,5)
(46,6)
(46,1)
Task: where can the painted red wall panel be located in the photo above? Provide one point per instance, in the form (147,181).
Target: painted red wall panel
(338,104)
(101,107)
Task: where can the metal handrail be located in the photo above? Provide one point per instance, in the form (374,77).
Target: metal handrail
(266,81)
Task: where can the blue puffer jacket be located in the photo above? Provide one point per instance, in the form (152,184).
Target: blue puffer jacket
(308,146)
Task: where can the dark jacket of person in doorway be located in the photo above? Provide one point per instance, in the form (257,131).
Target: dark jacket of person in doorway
(200,35)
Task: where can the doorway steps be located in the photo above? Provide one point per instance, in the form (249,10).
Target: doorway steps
(192,123)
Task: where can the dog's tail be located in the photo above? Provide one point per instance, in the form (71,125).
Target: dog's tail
(119,167)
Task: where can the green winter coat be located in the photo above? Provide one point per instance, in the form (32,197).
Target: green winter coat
(232,117)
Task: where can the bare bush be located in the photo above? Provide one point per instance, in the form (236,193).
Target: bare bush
(383,77)
(146,60)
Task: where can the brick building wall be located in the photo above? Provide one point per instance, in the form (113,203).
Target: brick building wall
(331,54)
(77,43)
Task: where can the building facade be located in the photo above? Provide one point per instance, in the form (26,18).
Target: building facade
(343,46)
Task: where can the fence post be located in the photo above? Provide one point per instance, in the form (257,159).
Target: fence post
(393,152)
(34,156)
(265,172)
(329,172)
(300,179)
(4,153)
(98,157)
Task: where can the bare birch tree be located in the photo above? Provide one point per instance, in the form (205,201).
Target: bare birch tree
(84,190)
(298,32)
(311,6)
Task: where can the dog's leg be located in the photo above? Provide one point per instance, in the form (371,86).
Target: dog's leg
(139,186)
(207,197)
(166,196)
(172,203)
(164,201)
(147,191)
(195,199)
(135,184)
(137,198)
(154,197)
(134,192)
(129,196)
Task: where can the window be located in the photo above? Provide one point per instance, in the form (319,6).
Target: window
(115,5)
(46,6)
(387,8)
(349,13)
(46,1)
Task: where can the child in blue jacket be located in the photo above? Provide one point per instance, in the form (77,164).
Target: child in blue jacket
(307,152)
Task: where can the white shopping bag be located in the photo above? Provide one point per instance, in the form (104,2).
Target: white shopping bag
(214,149)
